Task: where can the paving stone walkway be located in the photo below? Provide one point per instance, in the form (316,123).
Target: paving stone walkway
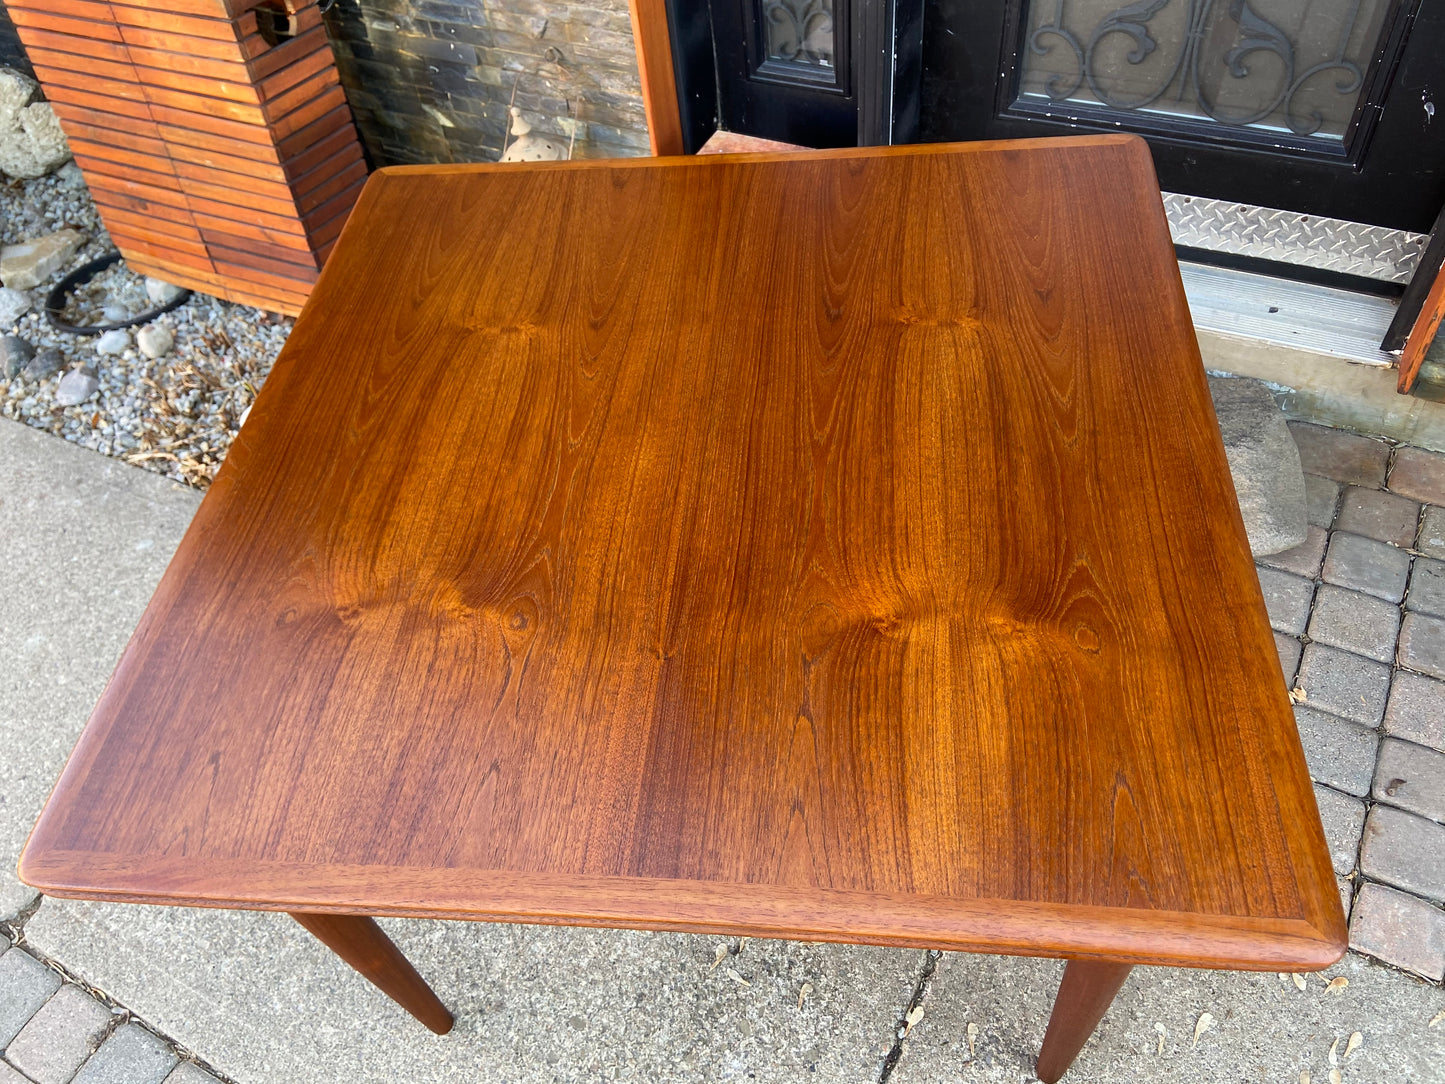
(1359,618)
(104,994)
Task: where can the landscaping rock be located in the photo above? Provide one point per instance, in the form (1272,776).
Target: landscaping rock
(27,265)
(14,353)
(46,363)
(13,305)
(155,340)
(37,146)
(116,341)
(16,92)
(1264,463)
(76,387)
(161,292)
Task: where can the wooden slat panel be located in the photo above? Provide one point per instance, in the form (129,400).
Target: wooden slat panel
(80,65)
(26,18)
(304,257)
(249,190)
(288,52)
(296,143)
(204,106)
(306,66)
(130,247)
(146,58)
(203,208)
(145,240)
(223,163)
(136,199)
(340,144)
(118,171)
(75,44)
(250,258)
(118,217)
(166,22)
(308,89)
(228,130)
(259,278)
(89,121)
(288,234)
(130,92)
(320,196)
(311,111)
(160,39)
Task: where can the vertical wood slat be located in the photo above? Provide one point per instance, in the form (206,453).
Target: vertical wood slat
(285,145)
(654,69)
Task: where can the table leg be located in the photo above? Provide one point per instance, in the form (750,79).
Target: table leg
(359,941)
(1084,996)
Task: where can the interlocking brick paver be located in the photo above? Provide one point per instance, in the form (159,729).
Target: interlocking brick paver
(1344,684)
(1431,539)
(1422,644)
(1417,710)
(1412,777)
(186,1073)
(1355,622)
(1419,474)
(59,1037)
(1404,850)
(131,1055)
(1427,587)
(1344,820)
(1400,930)
(1287,598)
(10,1076)
(1322,497)
(1289,652)
(25,985)
(1347,892)
(1304,559)
(1339,753)
(1345,457)
(1377,514)
(1363,564)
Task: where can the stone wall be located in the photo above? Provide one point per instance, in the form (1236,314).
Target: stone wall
(431,80)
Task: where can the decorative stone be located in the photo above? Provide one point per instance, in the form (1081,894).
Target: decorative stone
(27,265)
(13,305)
(14,353)
(155,340)
(36,146)
(115,341)
(1263,462)
(115,314)
(161,292)
(528,146)
(1400,930)
(76,387)
(46,363)
(70,177)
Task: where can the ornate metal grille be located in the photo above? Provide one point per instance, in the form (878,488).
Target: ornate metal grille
(1291,66)
(799,31)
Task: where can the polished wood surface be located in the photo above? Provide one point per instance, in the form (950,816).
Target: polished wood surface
(836,545)
(359,941)
(653,45)
(1084,996)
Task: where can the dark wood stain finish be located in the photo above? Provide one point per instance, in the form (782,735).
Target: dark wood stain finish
(835,545)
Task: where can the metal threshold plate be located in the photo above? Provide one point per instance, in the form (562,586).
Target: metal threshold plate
(1298,315)
(1266,233)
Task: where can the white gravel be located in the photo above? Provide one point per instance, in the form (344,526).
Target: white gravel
(176,414)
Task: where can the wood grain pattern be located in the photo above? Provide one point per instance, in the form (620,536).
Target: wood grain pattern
(835,545)
(653,44)
(1085,994)
(182,112)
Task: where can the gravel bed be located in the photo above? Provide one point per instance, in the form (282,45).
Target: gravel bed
(176,414)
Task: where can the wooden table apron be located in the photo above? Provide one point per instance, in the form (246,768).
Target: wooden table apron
(835,545)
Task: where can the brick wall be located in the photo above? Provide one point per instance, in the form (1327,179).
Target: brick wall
(430,80)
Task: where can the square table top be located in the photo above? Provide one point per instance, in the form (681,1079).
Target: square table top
(836,545)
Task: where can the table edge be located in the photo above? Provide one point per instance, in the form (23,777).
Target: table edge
(1008,927)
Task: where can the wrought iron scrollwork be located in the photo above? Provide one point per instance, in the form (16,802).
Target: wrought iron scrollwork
(800,31)
(1189,73)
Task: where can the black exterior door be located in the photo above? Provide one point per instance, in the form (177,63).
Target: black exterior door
(1326,107)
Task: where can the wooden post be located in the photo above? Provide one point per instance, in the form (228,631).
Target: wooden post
(214,135)
(654,67)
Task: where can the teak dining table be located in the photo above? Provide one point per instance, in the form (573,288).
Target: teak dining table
(831,545)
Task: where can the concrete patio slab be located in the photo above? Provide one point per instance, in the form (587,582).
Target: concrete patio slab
(86,538)
(264,1002)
